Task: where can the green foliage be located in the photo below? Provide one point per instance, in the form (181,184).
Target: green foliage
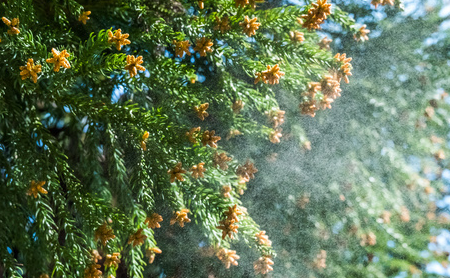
(81,131)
